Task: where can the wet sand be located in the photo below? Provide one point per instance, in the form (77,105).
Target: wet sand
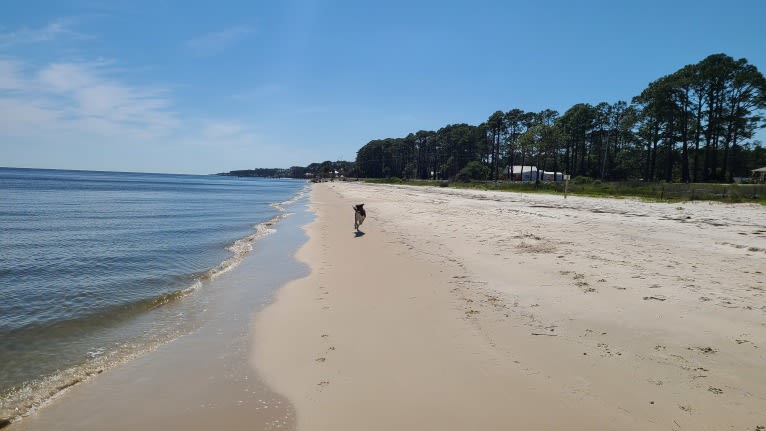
(462,309)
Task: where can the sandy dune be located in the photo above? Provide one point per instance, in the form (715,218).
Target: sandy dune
(462,309)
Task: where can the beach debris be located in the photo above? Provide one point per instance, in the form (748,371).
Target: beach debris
(717,391)
(655,298)
(705,350)
(544,333)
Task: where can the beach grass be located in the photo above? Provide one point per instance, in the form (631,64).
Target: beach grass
(581,186)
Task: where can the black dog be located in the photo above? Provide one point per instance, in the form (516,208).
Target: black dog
(359,215)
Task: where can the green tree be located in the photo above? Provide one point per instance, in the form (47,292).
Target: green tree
(474,170)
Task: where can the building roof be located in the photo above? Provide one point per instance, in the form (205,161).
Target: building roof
(763,169)
(525,168)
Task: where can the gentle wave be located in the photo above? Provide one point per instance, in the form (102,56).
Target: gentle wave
(24,400)
(120,329)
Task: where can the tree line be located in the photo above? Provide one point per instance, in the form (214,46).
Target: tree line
(694,125)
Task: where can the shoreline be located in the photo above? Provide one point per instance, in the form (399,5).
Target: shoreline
(463,309)
(122,294)
(202,379)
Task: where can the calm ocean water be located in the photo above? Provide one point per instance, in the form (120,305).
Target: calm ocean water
(96,267)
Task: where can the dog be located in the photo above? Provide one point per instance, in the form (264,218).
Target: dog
(359,215)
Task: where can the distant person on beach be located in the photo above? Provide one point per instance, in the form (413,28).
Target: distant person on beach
(359,215)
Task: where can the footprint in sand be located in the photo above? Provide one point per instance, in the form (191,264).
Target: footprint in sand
(705,350)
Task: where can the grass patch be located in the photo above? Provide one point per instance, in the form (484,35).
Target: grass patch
(656,192)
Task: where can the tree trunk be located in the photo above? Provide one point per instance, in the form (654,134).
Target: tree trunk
(697,135)
(684,138)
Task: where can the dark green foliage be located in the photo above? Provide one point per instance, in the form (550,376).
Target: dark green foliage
(696,124)
(473,171)
(324,170)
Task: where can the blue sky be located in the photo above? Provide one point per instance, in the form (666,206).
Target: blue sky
(204,87)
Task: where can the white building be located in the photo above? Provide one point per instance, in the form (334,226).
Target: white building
(530,173)
(521,173)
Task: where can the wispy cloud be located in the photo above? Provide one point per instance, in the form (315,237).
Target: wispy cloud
(9,75)
(80,96)
(98,113)
(53,31)
(213,43)
(81,101)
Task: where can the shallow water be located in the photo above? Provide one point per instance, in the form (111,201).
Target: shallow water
(96,267)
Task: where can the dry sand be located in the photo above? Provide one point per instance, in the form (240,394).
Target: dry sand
(462,309)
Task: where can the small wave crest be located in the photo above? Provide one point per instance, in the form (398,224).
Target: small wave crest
(302,193)
(241,247)
(24,399)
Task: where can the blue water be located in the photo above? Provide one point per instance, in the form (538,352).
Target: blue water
(98,266)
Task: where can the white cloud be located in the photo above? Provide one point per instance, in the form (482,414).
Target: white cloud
(80,96)
(94,115)
(65,77)
(9,75)
(215,42)
(53,31)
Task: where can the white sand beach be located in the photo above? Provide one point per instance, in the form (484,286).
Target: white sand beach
(464,309)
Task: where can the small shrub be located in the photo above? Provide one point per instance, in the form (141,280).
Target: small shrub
(473,171)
